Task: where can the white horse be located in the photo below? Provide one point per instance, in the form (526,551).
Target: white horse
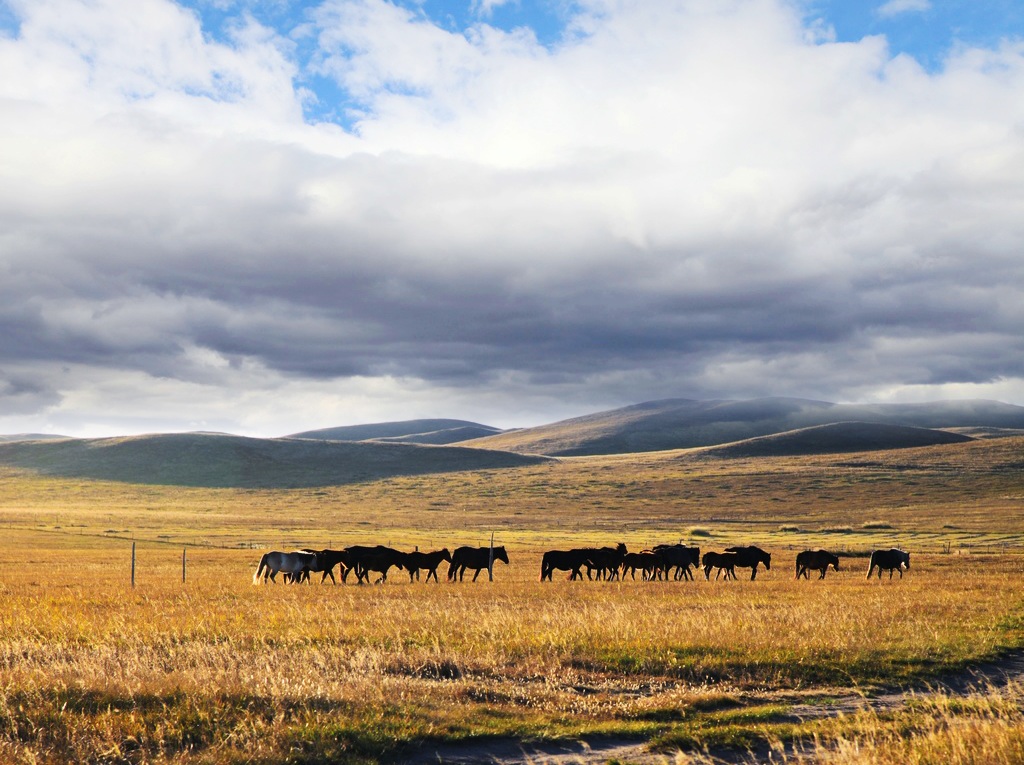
(293,563)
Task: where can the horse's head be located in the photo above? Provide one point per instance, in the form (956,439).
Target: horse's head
(500,554)
(446,555)
(621,548)
(835,562)
(906,560)
(694,553)
(768,561)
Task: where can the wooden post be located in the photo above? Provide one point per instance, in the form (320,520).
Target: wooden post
(490,561)
(133,564)
(183,550)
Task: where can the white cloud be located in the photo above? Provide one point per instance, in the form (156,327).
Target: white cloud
(690,198)
(898,7)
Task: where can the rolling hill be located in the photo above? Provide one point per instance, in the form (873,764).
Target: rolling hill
(219,460)
(29,437)
(689,423)
(408,431)
(836,438)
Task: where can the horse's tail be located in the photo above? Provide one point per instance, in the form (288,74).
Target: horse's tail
(259,569)
(451,567)
(871,565)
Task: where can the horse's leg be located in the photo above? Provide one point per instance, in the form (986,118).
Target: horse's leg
(753,572)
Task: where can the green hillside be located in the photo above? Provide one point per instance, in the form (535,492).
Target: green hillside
(217,460)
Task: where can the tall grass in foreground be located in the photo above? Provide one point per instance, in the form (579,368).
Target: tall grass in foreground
(221,671)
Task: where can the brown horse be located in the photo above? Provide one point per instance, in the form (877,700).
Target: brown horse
(818,560)
(726,562)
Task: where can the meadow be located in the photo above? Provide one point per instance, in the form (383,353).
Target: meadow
(217,670)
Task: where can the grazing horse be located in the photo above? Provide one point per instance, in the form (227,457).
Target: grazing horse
(750,557)
(473,557)
(679,557)
(892,560)
(819,560)
(726,562)
(563,560)
(293,563)
(428,561)
(606,561)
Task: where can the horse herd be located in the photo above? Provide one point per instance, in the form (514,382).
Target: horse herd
(362,561)
(607,563)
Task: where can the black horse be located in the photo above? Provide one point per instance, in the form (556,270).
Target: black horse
(426,561)
(378,558)
(473,557)
(679,557)
(726,562)
(818,560)
(750,557)
(604,562)
(325,562)
(891,560)
(648,563)
(572,561)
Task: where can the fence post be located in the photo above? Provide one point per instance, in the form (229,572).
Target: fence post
(183,550)
(490,560)
(133,564)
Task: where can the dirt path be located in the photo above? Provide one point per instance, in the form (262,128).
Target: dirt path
(599,751)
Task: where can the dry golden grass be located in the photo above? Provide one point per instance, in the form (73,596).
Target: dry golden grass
(217,670)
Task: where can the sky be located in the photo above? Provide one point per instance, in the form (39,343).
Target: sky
(267,216)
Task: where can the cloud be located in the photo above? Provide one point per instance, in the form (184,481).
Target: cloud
(678,199)
(485,8)
(899,7)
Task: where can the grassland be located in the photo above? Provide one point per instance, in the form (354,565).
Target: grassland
(217,670)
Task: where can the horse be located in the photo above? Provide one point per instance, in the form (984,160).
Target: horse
(819,560)
(648,563)
(293,563)
(606,561)
(379,559)
(726,562)
(473,557)
(679,557)
(326,561)
(563,560)
(893,560)
(429,561)
(750,557)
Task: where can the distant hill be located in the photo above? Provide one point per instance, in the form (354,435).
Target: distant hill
(689,423)
(29,437)
(218,460)
(447,436)
(409,431)
(837,438)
